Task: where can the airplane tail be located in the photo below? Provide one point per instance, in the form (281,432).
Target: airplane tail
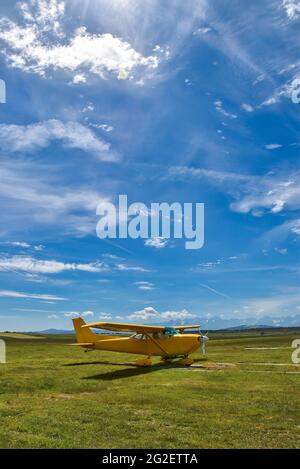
(83,335)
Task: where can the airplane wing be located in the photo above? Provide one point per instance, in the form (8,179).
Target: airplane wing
(182,328)
(140,329)
(113,326)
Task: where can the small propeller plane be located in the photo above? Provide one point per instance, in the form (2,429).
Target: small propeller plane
(166,342)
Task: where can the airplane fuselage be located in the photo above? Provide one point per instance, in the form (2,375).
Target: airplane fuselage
(176,345)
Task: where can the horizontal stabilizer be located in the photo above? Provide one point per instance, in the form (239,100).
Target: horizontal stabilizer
(84,344)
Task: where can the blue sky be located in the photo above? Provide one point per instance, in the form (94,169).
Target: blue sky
(163,101)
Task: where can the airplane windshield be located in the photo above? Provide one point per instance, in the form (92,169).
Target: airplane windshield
(169,331)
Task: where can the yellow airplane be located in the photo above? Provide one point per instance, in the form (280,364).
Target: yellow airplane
(166,342)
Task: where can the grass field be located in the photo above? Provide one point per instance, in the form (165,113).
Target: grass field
(55,396)
(17,335)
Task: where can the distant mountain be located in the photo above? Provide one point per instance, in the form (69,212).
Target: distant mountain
(262,322)
(243,327)
(216,323)
(53,331)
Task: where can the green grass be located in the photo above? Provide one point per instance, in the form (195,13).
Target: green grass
(56,396)
(18,335)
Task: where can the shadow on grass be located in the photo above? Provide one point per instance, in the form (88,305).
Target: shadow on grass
(160,364)
(120,374)
(130,371)
(136,370)
(97,363)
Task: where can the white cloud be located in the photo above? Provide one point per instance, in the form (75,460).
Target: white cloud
(33,196)
(80,78)
(87,313)
(270,101)
(125,267)
(252,194)
(295,226)
(144,314)
(281,251)
(105,316)
(204,266)
(202,30)
(157,242)
(34,296)
(74,314)
(19,138)
(29,264)
(219,107)
(19,244)
(145,285)
(39,247)
(283,91)
(105,127)
(272,146)
(23,244)
(292,8)
(88,108)
(247,107)
(281,232)
(213,290)
(52,316)
(45,13)
(151,314)
(40,46)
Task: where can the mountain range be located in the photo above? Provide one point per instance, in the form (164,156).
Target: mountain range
(216,322)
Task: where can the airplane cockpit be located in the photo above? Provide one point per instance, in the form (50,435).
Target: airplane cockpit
(168,332)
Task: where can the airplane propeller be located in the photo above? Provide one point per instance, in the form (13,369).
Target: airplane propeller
(203,339)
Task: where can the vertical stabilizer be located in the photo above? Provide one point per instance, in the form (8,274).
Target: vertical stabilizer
(83,335)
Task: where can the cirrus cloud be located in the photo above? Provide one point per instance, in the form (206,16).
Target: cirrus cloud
(33,296)
(29,264)
(20,138)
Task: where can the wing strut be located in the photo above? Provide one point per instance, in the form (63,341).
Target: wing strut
(156,343)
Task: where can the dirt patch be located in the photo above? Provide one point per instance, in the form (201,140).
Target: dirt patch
(266,348)
(272,372)
(270,364)
(214,366)
(66,396)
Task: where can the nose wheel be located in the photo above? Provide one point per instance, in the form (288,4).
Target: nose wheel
(186,361)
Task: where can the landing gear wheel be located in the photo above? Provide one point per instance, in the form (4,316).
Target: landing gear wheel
(143,362)
(185,361)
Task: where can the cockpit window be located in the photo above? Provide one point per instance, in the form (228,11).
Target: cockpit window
(168,332)
(138,337)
